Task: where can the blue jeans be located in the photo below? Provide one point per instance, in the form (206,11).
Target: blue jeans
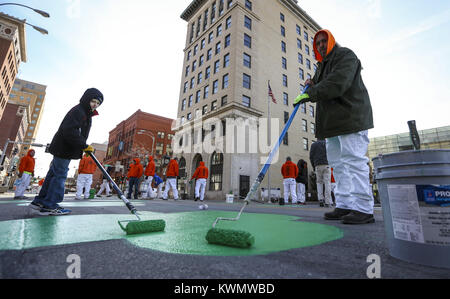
(133,182)
(52,191)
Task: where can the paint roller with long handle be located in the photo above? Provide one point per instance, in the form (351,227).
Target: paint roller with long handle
(132,226)
(239,238)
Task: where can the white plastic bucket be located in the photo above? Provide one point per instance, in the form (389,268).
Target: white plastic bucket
(414,189)
(229,198)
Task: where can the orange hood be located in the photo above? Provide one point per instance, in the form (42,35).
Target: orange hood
(331,44)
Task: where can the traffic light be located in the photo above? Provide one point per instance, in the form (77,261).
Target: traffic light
(47,148)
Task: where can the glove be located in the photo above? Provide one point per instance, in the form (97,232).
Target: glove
(89,149)
(304,97)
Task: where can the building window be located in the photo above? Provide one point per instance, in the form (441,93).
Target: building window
(227,40)
(194,65)
(300,58)
(303,108)
(247,60)
(208,55)
(190,100)
(248,22)
(247,41)
(248,4)
(192,82)
(246,81)
(205,109)
(308,64)
(283,46)
(185,87)
(305,35)
(301,74)
(213,12)
(189,55)
(305,144)
(286,117)
(199,78)
(183,105)
(229,3)
(219,30)
(207,72)
(213,105)
(299,43)
(187,71)
(313,128)
(286,139)
(189,116)
(281,17)
(283,31)
(285,99)
(201,60)
(311,111)
(297,29)
(283,63)
(307,49)
(216,66)
(225,81)
(285,81)
(246,101)
(304,125)
(224,100)
(215,183)
(226,60)
(218,48)
(228,23)
(197,96)
(215,86)
(210,37)
(206,92)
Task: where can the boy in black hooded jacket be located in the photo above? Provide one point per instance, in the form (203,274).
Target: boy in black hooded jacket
(68,143)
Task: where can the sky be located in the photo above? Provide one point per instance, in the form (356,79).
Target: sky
(133,52)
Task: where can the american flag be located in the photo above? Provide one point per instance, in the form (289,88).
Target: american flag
(271,94)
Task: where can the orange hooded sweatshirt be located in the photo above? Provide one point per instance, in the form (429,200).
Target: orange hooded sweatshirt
(87,165)
(150,169)
(136,169)
(289,170)
(201,172)
(331,44)
(27,163)
(172,169)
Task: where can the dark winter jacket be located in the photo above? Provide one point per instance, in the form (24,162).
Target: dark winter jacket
(318,154)
(343,103)
(70,139)
(302,172)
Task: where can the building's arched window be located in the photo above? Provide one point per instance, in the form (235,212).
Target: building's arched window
(216,173)
(182,168)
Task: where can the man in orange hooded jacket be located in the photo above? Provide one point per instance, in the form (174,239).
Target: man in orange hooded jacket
(343,118)
(26,172)
(134,174)
(200,174)
(171,181)
(289,170)
(86,169)
(149,174)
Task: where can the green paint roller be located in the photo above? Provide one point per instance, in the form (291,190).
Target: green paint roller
(131,227)
(238,238)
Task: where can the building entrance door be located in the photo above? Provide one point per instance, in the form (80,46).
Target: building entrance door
(244,186)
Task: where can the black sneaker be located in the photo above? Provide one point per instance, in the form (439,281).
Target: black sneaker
(356,217)
(36,206)
(337,214)
(196,199)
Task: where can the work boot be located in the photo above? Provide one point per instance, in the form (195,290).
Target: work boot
(356,217)
(337,214)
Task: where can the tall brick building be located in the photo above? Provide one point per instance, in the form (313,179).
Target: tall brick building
(139,136)
(12,52)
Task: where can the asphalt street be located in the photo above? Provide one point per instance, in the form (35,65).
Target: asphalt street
(343,258)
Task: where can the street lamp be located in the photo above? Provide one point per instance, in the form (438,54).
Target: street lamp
(41,12)
(148,133)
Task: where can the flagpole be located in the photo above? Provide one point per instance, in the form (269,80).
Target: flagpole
(268,140)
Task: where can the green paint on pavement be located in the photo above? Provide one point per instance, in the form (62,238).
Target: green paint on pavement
(184,234)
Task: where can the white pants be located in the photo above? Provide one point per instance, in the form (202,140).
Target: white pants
(149,191)
(290,186)
(347,156)
(84,180)
(323,178)
(301,192)
(200,187)
(171,184)
(22,187)
(160,192)
(104,186)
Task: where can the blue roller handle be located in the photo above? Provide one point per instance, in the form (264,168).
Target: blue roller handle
(266,166)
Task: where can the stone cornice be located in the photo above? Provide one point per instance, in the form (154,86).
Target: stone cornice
(295,8)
